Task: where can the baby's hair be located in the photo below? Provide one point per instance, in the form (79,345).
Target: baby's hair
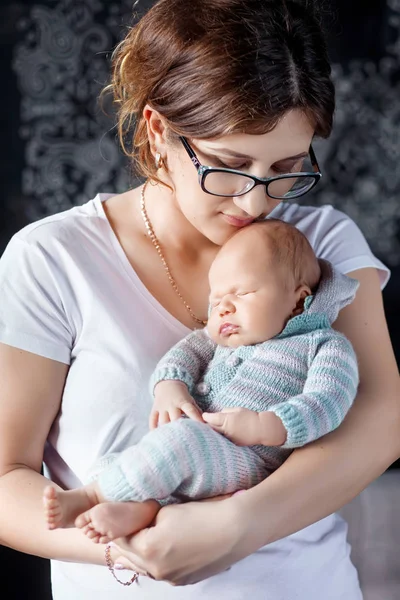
(291,250)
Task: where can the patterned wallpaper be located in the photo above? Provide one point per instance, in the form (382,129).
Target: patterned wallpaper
(60,61)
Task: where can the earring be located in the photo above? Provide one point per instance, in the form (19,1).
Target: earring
(159,161)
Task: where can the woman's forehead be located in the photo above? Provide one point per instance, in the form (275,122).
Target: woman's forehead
(291,136)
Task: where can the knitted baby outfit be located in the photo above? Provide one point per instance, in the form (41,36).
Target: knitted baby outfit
(307,375)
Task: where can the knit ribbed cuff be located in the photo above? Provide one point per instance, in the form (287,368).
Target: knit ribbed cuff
(293,421)
(115,487)
(171,373)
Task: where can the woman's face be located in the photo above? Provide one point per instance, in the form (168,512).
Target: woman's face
(267,155)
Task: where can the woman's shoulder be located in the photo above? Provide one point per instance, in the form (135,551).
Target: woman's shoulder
(68,227)
(312,220)
(334,236)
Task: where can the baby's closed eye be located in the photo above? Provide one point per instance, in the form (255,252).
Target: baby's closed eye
(242,293)
(214,303)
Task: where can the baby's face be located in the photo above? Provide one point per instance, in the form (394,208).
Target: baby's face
(250,300)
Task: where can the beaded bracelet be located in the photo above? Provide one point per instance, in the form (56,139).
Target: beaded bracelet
(109,563)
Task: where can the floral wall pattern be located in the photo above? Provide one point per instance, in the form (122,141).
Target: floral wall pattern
(61,62)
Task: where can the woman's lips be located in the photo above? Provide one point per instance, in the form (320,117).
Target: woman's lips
(237,221)
(227,329)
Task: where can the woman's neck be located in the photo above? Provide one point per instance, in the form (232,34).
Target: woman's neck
(173,231)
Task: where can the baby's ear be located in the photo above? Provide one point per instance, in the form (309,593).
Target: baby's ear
(302,292)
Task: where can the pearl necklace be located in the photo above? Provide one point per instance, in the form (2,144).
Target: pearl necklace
(157,246)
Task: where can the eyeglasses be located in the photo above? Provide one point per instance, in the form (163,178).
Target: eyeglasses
(230,182)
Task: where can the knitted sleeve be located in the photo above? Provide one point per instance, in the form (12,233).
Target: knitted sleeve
(186,361)
(328,393)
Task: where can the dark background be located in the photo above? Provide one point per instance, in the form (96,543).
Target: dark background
(58,149)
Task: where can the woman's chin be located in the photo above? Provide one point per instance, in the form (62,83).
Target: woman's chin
(219,235)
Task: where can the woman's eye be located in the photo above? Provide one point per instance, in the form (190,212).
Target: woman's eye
(243,293)
(240,167)
(281,170)
(292,168)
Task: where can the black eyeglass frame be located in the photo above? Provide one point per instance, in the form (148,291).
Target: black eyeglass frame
(203,171)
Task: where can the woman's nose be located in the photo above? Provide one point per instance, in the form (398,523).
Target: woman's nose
(254,203)
(226,306)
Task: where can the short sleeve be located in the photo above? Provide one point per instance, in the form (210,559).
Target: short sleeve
(347,249)
(334,237)
(32,314)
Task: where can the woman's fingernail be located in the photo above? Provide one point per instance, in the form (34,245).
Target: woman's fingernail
(118,566)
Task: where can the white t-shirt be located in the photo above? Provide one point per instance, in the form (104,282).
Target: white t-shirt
(69,293)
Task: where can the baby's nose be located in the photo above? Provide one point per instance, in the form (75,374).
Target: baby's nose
(226,306)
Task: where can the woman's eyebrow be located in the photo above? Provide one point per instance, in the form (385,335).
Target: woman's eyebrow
(230,152)
(295,157)
(236,154)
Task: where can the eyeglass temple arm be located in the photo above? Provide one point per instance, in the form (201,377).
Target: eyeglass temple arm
(313,159)
(190,152)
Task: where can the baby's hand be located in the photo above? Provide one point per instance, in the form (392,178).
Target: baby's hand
(171,401)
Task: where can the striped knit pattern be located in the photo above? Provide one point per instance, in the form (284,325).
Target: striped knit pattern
(307,376)
(181,460)
(309,381)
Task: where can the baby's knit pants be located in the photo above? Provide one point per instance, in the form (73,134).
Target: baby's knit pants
(181,460)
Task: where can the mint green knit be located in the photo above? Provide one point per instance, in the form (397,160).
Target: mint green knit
(307,376)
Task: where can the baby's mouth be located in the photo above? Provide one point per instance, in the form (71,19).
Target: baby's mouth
(227,329)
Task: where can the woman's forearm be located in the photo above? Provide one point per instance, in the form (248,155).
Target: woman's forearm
(322,477)
(22,523)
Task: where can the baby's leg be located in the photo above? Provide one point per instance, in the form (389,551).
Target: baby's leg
(62,507)
(111,520)
(180,460)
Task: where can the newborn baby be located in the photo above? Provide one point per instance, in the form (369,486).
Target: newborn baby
(267,375)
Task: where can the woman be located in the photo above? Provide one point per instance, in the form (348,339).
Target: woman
(93,297)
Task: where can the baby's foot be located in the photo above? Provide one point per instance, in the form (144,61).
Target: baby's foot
(106,522)
(61,508)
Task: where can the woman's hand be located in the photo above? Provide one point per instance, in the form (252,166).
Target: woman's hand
(246,427)
(188,543)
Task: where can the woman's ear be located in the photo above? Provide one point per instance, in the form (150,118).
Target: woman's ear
(301,294)
(156,130)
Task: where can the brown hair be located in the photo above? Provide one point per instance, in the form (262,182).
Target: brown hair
(213,67)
